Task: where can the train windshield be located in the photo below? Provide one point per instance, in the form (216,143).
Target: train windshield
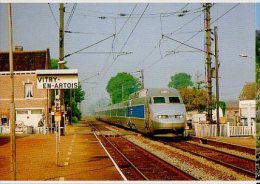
(159,99)
(174,100)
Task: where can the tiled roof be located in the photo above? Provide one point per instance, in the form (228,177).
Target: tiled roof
(232,104)
(26,60)
(248,92)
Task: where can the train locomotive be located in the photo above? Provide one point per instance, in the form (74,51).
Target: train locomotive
(149,111)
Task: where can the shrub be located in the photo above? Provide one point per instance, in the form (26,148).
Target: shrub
(74,119)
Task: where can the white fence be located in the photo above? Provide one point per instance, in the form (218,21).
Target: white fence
(226,130)
(24,130)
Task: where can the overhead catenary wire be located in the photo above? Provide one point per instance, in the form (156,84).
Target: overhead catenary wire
(187,23)
(125,41)
(114,40)
(127,19)
(104,52)
(53,15)
(221,16)
(90,33)
(148,16)
(70,17)
(182,43)
(88,46)
(136,14)
(158,44)
(90,77)
(156,61)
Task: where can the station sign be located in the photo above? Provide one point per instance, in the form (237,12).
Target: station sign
(57,79)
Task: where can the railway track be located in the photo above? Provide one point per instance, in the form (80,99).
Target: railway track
(258,164)
(138,164)
(219,144)
(240,164)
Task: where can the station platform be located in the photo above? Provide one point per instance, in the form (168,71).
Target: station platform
(81,157)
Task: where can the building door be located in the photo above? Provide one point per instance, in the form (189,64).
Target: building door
(30,117)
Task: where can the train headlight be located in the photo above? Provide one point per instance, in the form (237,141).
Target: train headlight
(179,116)
(163,116)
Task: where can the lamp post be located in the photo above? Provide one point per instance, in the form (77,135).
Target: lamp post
(245,56)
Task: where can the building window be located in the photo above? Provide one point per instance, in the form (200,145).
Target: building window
(28,90)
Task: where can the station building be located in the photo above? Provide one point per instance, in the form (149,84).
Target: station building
(247,104)
(31,104)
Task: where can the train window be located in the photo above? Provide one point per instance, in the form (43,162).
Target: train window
(158,99)
(174,100)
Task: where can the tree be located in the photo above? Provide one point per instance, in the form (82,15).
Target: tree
(194,99)
(72,97)
(180,80)
(121,86)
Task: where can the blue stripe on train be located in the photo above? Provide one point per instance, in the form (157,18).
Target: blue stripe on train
(136,111)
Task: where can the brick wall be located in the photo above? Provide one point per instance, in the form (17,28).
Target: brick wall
(39,99)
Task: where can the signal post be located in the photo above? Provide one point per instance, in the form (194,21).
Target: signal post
(57,80)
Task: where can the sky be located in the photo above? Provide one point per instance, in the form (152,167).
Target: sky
(139,38)
(257,16)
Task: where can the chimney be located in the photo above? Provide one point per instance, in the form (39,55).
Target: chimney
(19,48)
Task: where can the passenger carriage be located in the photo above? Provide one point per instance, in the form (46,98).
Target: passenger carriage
(149,111)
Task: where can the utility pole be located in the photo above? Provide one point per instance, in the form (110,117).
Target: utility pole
(12,104)
(61,63)
(60,93)
(207,7)
(142,78)
(217,84)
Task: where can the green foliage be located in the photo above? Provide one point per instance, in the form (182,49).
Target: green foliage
(54,64)
(222,104)
(180,80)
(74,119)
(257,135)
(121,86)
(71,96)
(194,99)
(257,69)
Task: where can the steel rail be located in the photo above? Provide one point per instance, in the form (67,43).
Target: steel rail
(120,153)
(244,171)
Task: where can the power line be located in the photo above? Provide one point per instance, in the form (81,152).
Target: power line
(90,33)
(121,53)
(88,46)
(187,40)
(151,15)
(126,41)
(182,43)
(186,24)
(225,13)
(71,15)
(181,51)
(127,19)
(127,14)
(159,42)
(133,29)
(113,42)
(172,51)
(90,77)
(156,61)
(53,15)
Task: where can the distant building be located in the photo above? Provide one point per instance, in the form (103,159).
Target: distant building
(247,104)
(232,111)
(31,104)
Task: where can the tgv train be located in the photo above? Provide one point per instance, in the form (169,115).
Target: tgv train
(149,111)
